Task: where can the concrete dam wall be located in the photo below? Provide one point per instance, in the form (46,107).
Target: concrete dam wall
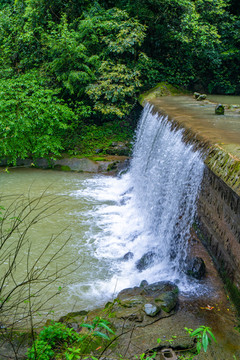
(218,210)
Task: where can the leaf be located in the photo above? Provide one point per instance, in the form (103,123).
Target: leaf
(89,326)
(100,334)
(205,341)
(102,324)
(210,333)
(199,346)
(197,331)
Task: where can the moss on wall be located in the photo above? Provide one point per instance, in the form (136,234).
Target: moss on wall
(225,166)
(161,89)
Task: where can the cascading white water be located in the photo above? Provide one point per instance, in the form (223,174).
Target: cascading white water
(148,210)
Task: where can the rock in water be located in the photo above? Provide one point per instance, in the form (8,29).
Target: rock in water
(202,97)
(219,109)
(196,95)
(195,267)
(143,283)
(199,97)
(160,287)
(146,260)
(129,255)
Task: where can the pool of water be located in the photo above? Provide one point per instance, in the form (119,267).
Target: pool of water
(67,212)
(225,99)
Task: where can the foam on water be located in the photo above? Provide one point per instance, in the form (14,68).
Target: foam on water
(151,208)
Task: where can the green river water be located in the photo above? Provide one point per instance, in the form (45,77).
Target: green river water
(67,218)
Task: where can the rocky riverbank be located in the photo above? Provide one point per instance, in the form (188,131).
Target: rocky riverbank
(110,161)
(142,315)
(151,318)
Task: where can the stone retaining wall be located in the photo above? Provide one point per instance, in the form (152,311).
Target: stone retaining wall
(219,222)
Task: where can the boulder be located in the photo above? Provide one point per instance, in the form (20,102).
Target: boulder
(196,95)
(160,287)
(98,151)
(134,301)
(151,309)
(155,290)
(202,97)
(146,260)
(199,97)
(167,301)
(143,283)
(123,167)
(129,292)
(128,256)
(195,267)
(219,109)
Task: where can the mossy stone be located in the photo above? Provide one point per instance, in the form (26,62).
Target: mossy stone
(219,109)
(167,301)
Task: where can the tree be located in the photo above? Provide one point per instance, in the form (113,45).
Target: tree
(32,118)
(67,59)
(192,42)
(115,89)
(117,40)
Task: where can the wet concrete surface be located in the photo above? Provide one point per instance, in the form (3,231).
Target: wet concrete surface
(223,130)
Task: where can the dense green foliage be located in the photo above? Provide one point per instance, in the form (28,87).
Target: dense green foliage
(67,65)
(59,341)
(32,117)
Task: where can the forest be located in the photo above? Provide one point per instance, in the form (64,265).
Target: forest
(72,70)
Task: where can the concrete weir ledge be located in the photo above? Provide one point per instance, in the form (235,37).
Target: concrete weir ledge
(218,138)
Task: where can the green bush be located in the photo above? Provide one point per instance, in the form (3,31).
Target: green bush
(57,338)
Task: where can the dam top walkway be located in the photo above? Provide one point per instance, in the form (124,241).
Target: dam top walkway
(223,130)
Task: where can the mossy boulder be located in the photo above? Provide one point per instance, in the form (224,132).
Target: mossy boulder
(128,256)
(146,261)
(195,267)
(219,109)
(167,301)
(199,97)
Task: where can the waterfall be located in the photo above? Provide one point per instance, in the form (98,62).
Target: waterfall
(166,175)
(141,222)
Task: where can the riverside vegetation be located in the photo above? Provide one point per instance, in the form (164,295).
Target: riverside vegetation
(72,71)
(60,342)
